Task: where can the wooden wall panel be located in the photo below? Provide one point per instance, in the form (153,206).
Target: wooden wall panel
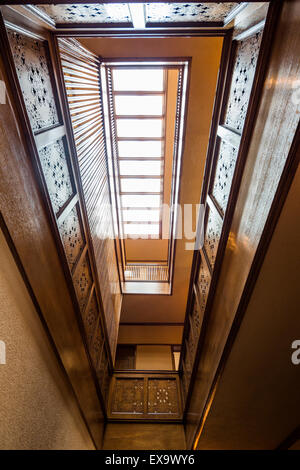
(38,192)
(81,72)
(268,147)
(220,187)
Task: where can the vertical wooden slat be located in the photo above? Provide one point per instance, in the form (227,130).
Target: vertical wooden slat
(81,73)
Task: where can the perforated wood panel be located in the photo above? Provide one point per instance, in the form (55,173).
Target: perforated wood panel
(88,13)
(162,397)
(145,396)
(56,171)
(54,158)
(103,374)
(31,62)
(72,236)
(196,316)
(212,235)
(90,319)
(83,282)
(187,12)
(242,79)
(224,173)
(219,181)
(128,396)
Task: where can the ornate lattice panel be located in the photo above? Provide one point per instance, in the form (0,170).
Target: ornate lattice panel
(222,161)
(56,172)
(185,380)
(83,282)
(203,284)
(30,57)
(128,396)
(72,236)
(90,319)
(196,317)
(225,166)
(212,235)
(187,371)
(34,73)
(88,13)
(96,344)
(187,12)
(192,342)
(103,375)
(242,79)
(188,359)
(145,396)
(162,396)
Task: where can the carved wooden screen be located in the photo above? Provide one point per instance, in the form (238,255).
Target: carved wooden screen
(81,73)
(52,155)
(225,160)
(145,396)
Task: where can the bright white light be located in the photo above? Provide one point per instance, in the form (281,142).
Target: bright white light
(139,105)
(138,167)
(138,79)
(137,12)
(140,185)
(139,128)
(141,229)
(140,149)
(142,200)
(141,215)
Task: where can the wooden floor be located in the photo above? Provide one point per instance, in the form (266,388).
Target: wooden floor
(144,436)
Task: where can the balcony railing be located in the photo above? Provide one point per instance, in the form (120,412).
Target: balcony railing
(146,272)
(145,395)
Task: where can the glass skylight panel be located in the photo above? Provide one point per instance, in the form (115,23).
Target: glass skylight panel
(141,229)
(140,167)
(139,101)
(140,185)
(140,200)
(141,215)
(138,79)
(140,149)
(139,127)
(139,105)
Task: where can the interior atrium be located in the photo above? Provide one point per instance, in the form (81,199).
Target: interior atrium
(149,215)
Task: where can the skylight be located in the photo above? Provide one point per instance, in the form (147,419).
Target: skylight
(139,106)
(145,110)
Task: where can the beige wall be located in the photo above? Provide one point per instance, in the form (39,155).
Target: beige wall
(146,250)
(148,334)
(38,409)
(205,53)
(153,357)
